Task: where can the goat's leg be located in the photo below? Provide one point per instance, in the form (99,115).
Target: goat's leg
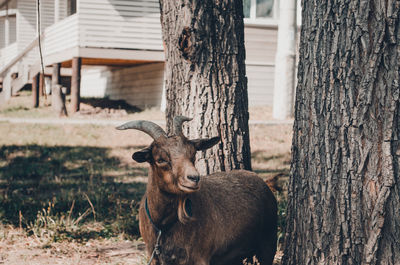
(266,255)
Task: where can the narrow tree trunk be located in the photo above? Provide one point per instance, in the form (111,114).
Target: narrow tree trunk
(205,77)
(344,189)
(57,96)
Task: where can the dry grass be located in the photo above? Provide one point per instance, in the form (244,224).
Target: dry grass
(260,113)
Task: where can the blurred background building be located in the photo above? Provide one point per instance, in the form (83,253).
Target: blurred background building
(113,48)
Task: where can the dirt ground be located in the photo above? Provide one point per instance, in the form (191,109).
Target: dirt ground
(17,248)
(270,147)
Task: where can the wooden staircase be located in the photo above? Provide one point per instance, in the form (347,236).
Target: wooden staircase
(19,69)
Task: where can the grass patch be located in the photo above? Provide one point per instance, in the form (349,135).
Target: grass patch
(64,192)
(40,180)
(281,197)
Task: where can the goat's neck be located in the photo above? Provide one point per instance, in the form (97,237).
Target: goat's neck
(163,206)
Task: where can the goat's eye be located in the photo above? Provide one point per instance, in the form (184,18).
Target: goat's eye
(161,161)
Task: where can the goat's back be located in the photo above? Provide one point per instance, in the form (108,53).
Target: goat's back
(229,195)
(239,213)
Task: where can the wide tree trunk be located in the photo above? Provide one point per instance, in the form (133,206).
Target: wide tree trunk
(205,77)
(344,188)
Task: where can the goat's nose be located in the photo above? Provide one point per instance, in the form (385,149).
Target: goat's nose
(194,178)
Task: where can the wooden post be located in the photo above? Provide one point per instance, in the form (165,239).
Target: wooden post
(41,85)
(76,83)
(285,62)
(35,91)
(55,77)
(57,96)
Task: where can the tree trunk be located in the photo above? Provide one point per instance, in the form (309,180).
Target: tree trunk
(344,188)
(205,77)
(57,96)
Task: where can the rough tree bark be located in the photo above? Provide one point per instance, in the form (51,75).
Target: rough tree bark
(205,77)
(344,188)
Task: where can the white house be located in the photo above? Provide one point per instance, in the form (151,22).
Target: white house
(113,48)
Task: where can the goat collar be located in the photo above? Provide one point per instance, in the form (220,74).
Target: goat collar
(146,206)
(157,247)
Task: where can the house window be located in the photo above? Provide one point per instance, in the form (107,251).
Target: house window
(260,9)
(71,7)
(8,30)
(12,37)
(2,32)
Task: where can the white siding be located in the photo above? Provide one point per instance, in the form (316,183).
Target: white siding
(7,54)
(26,20)
(63,9)
(260,45)
(46,13)
(62,35)
(94,81)
(260,85)
(26,30)
(122,24)
(26,23)
(140,86)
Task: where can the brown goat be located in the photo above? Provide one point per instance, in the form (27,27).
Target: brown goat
(219,219)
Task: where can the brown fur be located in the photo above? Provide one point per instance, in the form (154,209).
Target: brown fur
(273,182)
(234,214)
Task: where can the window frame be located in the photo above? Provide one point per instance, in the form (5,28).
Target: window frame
(72,7)
(8,14)
(263,21)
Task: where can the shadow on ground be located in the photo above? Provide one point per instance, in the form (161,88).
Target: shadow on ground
(40,185)
(110,104)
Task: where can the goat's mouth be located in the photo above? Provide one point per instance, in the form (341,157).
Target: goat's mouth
(188,188)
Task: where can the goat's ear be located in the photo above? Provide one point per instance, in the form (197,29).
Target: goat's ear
(203,144)
(143,155)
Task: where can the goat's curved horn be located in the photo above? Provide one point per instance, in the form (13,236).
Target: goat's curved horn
(148,127)
(178,121)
